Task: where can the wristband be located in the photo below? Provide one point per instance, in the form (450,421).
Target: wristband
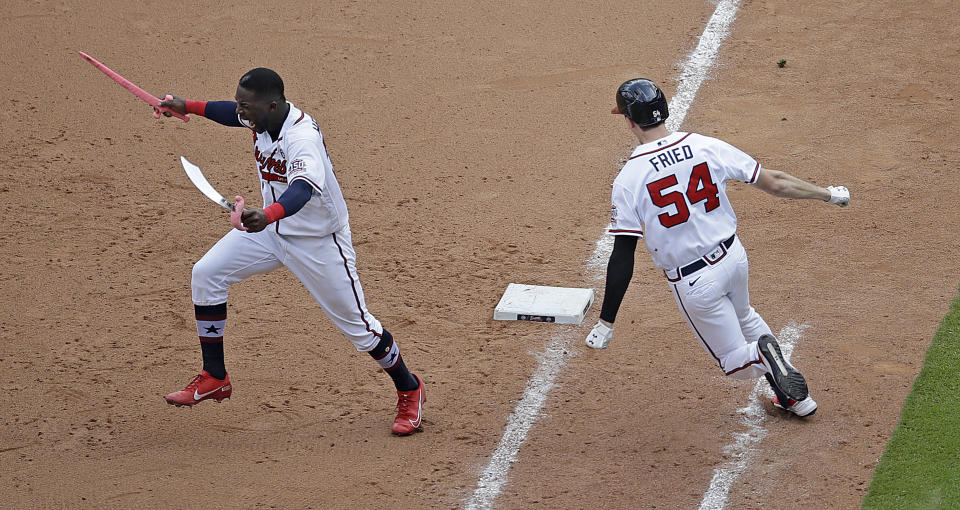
(196,107)
(274,212)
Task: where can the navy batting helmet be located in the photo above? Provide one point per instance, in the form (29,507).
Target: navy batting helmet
(642,101)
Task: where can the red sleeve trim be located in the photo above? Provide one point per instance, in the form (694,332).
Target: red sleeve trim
(197,107)
(274,212)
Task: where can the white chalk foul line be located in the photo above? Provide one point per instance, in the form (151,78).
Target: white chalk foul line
(699,62)
(518,425)
(555,356)
(742,449)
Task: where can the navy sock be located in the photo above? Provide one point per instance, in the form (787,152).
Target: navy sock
(213,359)
(402,378)
(387,355)
(210,324)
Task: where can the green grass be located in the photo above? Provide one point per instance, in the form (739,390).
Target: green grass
(920,467)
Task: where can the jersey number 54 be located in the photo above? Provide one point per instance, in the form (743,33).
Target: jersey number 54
(701,187)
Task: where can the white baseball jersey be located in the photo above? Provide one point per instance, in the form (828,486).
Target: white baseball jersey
(315,243)
(299,153)
(672,192)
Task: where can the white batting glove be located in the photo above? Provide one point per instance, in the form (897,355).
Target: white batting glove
(839,195)
(600,336)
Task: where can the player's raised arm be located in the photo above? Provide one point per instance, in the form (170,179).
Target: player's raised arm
(783,185)
(222,112)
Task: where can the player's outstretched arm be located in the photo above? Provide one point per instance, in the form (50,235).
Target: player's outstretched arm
(221,112)
(619,273)
(783,185)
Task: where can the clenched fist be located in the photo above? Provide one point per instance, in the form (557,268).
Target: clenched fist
(254,220)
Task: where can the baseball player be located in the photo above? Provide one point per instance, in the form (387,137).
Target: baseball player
(303,226)
(672,193)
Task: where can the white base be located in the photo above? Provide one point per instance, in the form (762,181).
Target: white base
(562,305)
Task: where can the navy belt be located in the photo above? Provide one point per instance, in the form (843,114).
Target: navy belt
(702,262)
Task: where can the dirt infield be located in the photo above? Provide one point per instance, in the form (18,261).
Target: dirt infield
(475,149)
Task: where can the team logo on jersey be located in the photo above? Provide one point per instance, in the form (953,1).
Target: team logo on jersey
(271,169)
(613,214)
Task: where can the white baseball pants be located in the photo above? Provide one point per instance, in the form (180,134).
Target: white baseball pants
(326,265)
(715,302)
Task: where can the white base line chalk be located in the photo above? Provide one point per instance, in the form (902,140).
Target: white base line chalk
(742,449)
(555,356)
(526,413)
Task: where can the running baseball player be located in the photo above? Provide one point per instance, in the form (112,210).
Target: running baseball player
(672,193)
(303,226)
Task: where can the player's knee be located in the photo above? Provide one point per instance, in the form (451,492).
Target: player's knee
(205,275)
(201,272)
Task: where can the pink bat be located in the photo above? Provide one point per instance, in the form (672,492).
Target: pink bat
(137,91)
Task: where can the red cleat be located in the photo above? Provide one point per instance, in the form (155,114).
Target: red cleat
(409,410)
(202,387)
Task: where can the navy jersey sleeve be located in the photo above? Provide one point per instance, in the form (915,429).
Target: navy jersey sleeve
(223,112)
(295,197)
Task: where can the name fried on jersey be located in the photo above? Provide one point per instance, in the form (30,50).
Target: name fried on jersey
(669,157)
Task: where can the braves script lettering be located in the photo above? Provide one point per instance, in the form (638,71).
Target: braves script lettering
(271,169)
